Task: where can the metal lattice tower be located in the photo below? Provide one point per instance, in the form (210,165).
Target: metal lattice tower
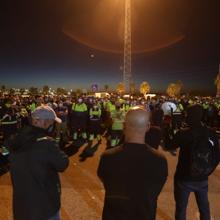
(217,82)
(127,75)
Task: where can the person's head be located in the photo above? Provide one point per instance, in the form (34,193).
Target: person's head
(118,105)
(95,105)
(60,104)
(44,117)
(134,102)
(80,100)
(142,102)
(194,115)
(112,100)
(157,116)
(10,111)
(127,102)
(137,123)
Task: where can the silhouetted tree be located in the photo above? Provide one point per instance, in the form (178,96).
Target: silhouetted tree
(120,88)
(46,90)
(33,91)
(174,89)
(3,88)
(106,87)
(132,88)
(61,91)
(144,88)
(79,92)
(12,91)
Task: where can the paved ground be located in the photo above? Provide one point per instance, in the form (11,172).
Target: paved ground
(82,192)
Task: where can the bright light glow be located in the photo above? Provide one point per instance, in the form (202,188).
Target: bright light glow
(155,24)
(150,96)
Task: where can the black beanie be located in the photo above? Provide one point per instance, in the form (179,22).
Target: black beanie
(194,115)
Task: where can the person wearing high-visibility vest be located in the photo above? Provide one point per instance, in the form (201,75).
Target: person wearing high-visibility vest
(126,106)
(104,111)
(177,116)
(191,102)
(32,106)
(79,119)
(205,106)
(95,122)
(217,104)
(110,107)
(9,125)
(24,116)
(118,116)
(62,129)
(212,113)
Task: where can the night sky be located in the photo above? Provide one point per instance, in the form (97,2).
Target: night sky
(74,44)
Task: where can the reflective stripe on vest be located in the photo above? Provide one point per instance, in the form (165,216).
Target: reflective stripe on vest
(42,139)
(9,122)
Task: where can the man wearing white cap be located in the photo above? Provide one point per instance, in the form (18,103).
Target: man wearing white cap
(35,162)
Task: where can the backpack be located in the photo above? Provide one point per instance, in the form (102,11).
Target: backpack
(203,153)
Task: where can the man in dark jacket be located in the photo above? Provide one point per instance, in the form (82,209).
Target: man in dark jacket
(133,174)
(186,180)
(35,162)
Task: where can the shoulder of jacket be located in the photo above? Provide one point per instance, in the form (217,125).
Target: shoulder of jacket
(45,138)
(112,151)
(183,131)
(187,128)
(157,155)
(161,156)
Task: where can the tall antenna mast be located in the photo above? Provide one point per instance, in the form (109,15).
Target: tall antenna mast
(127,75)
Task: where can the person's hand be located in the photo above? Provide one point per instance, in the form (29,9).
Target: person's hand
(175,131)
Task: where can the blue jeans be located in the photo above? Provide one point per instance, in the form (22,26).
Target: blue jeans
(55,217)
(182,190)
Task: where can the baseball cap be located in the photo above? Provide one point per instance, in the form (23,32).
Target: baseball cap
(45,112)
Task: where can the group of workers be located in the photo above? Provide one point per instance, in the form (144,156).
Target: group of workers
(88,118)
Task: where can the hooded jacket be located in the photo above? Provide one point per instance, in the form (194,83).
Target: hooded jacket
(35,162)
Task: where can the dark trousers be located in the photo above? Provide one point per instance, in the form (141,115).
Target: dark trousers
(55,217)
(177,121)
(182,191)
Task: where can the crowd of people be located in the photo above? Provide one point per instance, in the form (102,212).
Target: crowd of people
(134,128)
(88,117)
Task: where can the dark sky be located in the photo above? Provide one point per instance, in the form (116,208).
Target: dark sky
(35,48)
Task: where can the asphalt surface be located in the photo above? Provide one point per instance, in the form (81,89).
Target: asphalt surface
(83,193)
